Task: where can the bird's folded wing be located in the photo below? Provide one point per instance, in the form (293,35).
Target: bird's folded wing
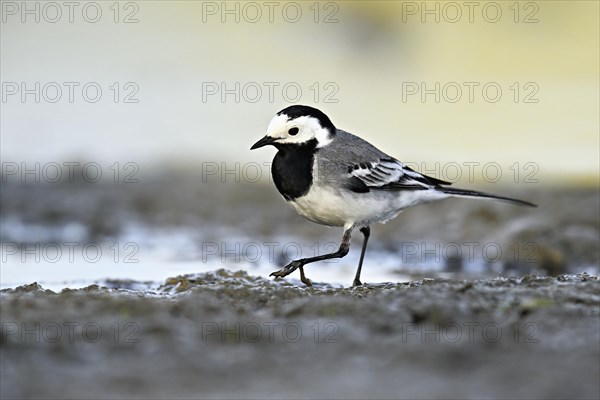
(388,174)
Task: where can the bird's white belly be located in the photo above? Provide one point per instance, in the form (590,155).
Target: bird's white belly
(332,207)
(322,206)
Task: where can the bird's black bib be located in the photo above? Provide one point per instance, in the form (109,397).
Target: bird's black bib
(292,169)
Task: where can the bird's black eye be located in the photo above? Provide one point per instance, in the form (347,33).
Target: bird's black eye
(293,131)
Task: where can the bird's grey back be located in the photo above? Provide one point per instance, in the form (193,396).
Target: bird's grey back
(346,150)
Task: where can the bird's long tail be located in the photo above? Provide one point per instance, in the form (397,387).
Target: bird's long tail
(474,193)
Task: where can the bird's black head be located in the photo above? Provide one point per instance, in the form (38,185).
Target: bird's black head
(298,125)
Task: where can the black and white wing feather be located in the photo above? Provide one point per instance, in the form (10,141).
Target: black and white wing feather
(391,174)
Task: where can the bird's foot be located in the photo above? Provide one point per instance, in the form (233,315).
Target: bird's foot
(356,282)
(304,279)
(288,269)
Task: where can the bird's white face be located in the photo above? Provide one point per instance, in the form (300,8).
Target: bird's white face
(297,131)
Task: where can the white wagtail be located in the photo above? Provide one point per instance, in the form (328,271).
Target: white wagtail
(335,178)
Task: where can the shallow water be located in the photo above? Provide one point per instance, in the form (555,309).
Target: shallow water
(152,255)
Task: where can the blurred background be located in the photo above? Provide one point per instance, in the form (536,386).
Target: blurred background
(126,129)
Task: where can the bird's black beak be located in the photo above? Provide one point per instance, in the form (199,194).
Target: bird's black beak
(263,142)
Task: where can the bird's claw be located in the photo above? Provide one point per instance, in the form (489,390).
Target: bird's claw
(288,269)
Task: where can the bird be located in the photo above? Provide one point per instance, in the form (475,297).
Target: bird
(335,178)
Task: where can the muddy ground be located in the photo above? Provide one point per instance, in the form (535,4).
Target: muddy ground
(230,335)
(523,326)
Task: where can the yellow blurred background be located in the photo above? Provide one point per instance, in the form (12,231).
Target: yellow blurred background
(505,82)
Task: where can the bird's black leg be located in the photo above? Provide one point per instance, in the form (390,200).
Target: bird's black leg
(366,231)
(291,267)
